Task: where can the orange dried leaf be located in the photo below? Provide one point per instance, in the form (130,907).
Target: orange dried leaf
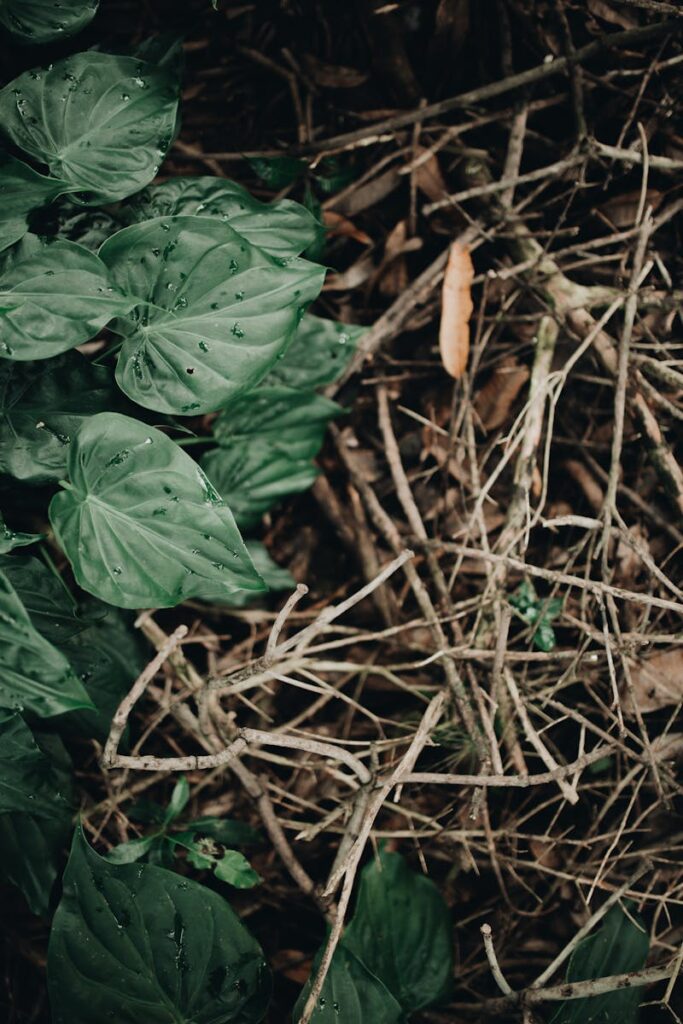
(456,310)
(338,225)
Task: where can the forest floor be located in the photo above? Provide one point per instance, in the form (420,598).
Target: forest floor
(540,493)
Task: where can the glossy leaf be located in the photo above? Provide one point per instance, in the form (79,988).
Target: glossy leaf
(54,299)
(318,355)
(43,21)
(402,931)
(27,780)
(32,850)
(283,228)
(22,190)
(141,524)
(107,657)
(45,597)
(274,576)
(132,851)
(213,312)
(228,865)
(619,946)
(100,122)
(33,674)
(86,226)
(10,539)
(42,406)
(179,800)
(351,994)
(135,942)
(267,439)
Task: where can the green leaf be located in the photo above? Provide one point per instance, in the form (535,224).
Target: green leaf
(318,355)
(128,853)
(402,931)
(277,171)
(27,779)
(213,312)
(351,994)
(42,406)
(43,21)
(10,539)
(619,946)
(236,870)
(22,190)
(107,657)
(88,227)
(332,174)
(274,576)
(225,831)
(178,801)
(544,636)
(283,228)
(55,299)
(32,850)
(32,839)
(134,942)
(44,596)
(100,122)
(141,524)
(267,439)
(33,674)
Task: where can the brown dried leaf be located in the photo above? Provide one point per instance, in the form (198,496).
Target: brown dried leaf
(456,310)
(601,9)
(622,210)
(353,277)
(495,400)
(340,226)
(428,177)
(658,681)
(333,76)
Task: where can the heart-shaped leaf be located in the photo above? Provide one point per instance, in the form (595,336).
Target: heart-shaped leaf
(283,228)
(267,440)
(100,122)
(402,931)
(54,298)
(33,673)
(351,994)
(42,406)
(213,312)
(141,524)
(318,355)
(619,946)
(21,191)
(135,942)
(42,21)
(45,597)
(27,779)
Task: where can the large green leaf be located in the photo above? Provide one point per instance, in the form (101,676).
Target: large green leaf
(53,299)
(21,191)
(619,946)
(351,994)
(42,405)
(27,780)
(100,122)
(45,597)
(33,845)
(318,355)
(213,312)
(283,228)
(42,21)
(134,942)
(10,539)
(267,439)
(141,524)
(402,931)
(33,674)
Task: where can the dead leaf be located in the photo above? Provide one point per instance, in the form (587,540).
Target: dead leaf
(333,76)
(621,210)
(339,226)
(601,9)
(292,964)
(456,310)
(393,272)
(658,681)
(495,400)
(353,277)
(427,175)
(357,198)
(545,853)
